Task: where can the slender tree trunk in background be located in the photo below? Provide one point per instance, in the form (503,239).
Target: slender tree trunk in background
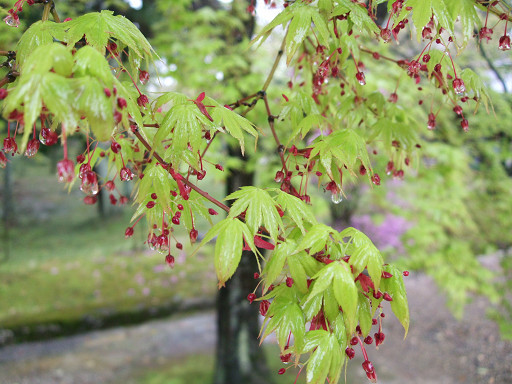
(239,358)
(7,209)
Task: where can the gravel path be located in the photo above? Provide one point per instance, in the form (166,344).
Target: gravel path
(437,350)
(105,356)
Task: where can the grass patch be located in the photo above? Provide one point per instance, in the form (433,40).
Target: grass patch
(66,263)
(61,289)
(181,371)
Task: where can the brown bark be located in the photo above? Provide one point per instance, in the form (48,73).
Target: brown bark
(239,358)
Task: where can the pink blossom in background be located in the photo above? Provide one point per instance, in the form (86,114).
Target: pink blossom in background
(385,235)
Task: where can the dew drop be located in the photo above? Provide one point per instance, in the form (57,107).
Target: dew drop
(42,138)
(279,177)
(89,184)
(336,197)
(11,21)
(163,250)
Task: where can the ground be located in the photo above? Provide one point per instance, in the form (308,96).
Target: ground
(438,349)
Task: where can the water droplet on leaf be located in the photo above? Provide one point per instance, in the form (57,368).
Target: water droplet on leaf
(336,197)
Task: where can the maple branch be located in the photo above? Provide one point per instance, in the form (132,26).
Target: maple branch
(9,54)
(242,101)
(256,96)
(280,147)
(208,144)
(271,118)
(274,66)
(54,13)
(259,95)
(46,11)
(49,7)
(263,95)
(492,67)
(207,196)
(380,56)
(9,78)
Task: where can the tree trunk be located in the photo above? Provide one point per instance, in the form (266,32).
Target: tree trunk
(7,211)
(239,358)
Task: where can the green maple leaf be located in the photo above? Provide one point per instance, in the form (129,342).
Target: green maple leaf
(300,27)
(296,209)
(326,359)
(52,56)
(301,265)
(233,123)
(284,316)
(49,88)
(363,254)
(358,15)
(261,210)
(39,33)
(465,11)
(387,131)
(275,264)
(364,314)
(421,13)
(89,100)
(183,123)
(89,62)
(231,234)
(158,181)
(337,276)
(396,289)
(316,238)
(302,17)
(99,27)
(342,149)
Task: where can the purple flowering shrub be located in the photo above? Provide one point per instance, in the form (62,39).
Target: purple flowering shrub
(386,233)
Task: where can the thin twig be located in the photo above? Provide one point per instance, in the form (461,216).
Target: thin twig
(269,77)
(493,67)
(9,78)
(380,56)
(280,148)
(271,118)
(54,13)
(274,66)
(46,11)
(208,144)
(242,101)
